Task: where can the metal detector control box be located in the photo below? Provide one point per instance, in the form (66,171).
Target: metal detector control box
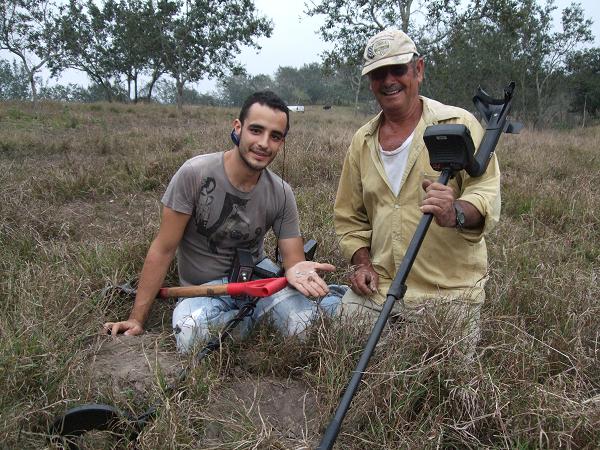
(450,146)
(243,266)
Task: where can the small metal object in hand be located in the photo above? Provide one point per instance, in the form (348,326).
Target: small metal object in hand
(303,274)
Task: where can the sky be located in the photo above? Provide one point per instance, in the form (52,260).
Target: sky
(295,40)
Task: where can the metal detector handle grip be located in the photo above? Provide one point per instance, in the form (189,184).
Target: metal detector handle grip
(495,114)
(257,288)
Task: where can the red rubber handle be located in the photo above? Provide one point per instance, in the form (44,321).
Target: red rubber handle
(257,288)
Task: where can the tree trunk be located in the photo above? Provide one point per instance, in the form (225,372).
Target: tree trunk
(33,88)
(357,82)
(584,111)
(179,84)
(155,76)
(108,91)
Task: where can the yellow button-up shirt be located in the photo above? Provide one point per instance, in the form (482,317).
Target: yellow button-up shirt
(450,263)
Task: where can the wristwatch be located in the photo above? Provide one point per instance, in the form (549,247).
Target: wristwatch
(460,216)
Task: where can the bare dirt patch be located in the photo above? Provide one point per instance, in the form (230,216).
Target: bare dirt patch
(271,409)
(132,363)
(285,410)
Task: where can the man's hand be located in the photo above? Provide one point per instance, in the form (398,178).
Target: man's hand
(364,280)
(129,327)
(439,201)
(304,277)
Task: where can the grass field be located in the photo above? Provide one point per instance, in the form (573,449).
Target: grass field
(79,205)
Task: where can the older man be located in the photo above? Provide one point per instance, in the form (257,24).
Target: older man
(387,184)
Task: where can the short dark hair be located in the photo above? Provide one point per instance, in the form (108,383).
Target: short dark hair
(266,98)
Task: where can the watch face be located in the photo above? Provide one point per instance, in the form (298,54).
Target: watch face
(460,217)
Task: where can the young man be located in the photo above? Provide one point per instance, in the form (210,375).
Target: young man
(387,184)
(216,203)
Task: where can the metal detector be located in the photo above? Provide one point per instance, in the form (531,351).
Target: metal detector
(266,279)
(451,149)
(98,417)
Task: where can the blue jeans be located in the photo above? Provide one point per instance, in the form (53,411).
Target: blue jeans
(197,319)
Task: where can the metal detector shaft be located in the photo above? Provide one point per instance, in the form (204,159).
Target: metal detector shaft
(396,292)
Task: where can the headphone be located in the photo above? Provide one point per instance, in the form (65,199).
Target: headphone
(235,138)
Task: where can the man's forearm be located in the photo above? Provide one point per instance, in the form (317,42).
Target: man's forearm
(361,257)
(292,251)
(473,218)
(151,279)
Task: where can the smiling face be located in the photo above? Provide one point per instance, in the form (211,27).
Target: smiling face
(396,87)
(261,135)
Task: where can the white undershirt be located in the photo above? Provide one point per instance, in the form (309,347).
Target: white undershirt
(394,163)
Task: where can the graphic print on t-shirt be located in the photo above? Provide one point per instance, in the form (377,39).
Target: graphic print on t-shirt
(232,227)
(206,199)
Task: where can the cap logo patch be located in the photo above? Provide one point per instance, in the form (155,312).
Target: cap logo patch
(378,48)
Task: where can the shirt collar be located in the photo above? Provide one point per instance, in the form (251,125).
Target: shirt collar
(433,113)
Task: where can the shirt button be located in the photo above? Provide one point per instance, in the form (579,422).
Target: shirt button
(396,206)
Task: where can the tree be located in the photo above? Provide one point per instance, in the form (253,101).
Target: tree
(311,84)
(13,81)
(116,42)
(167,93)
(584,73)
(132,39)
(76,93)
(203,37)
(514,41)
(235,88)
(488,52)
(28,29)
(291,85)
(87,43)
(549,51)
(137,40)
(349,24)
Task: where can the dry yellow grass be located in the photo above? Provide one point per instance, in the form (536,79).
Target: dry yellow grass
(80,203)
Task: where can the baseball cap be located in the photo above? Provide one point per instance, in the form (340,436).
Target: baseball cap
(387,48)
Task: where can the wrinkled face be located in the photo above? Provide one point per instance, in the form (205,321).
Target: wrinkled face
(396,87)
(261,135)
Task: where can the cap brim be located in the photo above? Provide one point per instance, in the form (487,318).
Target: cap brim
(391,61)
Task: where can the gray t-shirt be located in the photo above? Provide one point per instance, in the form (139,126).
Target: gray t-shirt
(225,218)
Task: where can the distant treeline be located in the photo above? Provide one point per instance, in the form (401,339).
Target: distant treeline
(155,50)
(311,84)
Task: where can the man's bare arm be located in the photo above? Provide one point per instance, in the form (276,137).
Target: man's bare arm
(159,257)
